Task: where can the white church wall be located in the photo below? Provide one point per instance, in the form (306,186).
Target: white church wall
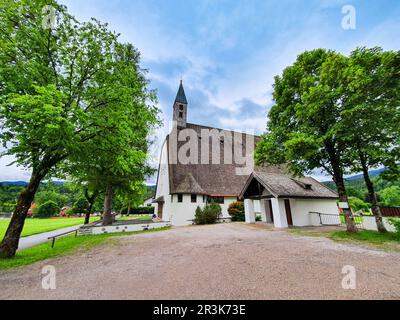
(279,213)
(163,183)
(301,209)
(182,213)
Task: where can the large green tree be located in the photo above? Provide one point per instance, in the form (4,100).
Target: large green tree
(59,89)
(370,82)
(118,159)
(391,196)
(303,130)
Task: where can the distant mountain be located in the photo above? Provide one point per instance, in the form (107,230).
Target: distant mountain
(372,173)
(14,183)
(24,183)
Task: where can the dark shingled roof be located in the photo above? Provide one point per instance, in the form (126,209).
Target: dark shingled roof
(180,96)
(283,185)
(221,179)
(207,178)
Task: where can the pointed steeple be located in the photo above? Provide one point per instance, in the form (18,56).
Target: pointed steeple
(180,108)
(180,96)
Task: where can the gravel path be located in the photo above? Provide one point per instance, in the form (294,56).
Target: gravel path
(225,261)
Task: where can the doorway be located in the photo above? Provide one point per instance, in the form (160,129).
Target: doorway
(160,210)
(288,213)
(268,208)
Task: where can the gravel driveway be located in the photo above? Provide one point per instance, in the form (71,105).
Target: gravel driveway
(225,261)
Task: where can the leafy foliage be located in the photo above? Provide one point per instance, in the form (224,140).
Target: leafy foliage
(383,187)
(209,214)
(236,211)
(337,113)
(80,206)
(302,131)
(73,100)
(357,204)
(395,222)
(51,195)
(47,209)
(138,210)
(391,196)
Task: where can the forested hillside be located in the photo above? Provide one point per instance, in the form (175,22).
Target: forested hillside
(388,191)
(63,194)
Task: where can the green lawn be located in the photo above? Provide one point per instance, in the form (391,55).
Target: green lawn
(369,236)
(357,219)
(63,246)
(133,217)
(389,241)
(35,225)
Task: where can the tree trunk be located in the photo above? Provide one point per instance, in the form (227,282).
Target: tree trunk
(372,196)
(129,208)
(107,217)
(9,245)
(91,200)
(350,225)
(88,212)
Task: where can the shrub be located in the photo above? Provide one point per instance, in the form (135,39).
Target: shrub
(69,212)
(357,204)
(208,215)
(138,210)
(391,196)
(236,211)
(80,206)
(47,209)
(395,222)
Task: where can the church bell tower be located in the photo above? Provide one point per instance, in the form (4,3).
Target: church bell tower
(180,108)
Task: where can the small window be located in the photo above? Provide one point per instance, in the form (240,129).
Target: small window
(193,198)
(180,197)
(219,200)
(181,107)
(172,198)
(204,198)
(181,114)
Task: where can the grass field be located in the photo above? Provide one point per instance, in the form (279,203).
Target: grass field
(35,226)
(63,246)
(389,241)
(369,236)
(131,217)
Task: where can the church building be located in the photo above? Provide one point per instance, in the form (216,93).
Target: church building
(201,164)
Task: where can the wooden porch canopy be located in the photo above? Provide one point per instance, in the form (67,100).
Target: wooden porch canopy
(264,185)
(256,189)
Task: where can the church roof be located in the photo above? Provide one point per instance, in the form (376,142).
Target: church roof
(283,185)
(221,177)
(209,178)
(180,96)
(189,183)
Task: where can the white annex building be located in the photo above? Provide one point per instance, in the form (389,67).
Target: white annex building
(195,169)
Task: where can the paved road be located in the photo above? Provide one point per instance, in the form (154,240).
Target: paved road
(225,261)
(27,242)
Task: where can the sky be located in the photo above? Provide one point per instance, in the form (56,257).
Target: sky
(228,52)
